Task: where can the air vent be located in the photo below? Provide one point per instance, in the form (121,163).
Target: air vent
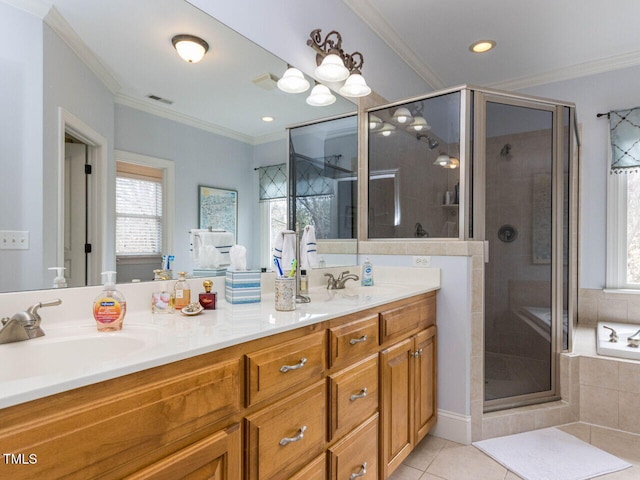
(266,80)
(160,99)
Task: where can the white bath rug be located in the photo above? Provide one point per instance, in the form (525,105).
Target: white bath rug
(550,454)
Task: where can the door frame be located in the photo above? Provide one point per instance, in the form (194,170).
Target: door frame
(97,225)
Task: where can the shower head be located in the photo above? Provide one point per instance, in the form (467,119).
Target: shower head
(431,142)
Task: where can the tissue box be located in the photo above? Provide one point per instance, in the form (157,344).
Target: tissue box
(242,286)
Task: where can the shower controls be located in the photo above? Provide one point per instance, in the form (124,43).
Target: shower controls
(614,335)
(507,233)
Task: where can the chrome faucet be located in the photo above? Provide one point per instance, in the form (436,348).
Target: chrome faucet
(338,283)
(24,325)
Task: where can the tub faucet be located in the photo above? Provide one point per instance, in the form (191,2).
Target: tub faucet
(24,325)
(338,283)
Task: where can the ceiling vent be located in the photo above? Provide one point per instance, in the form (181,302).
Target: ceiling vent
(160,99)
(267,81)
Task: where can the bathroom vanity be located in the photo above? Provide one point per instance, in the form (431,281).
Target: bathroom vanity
(345,394)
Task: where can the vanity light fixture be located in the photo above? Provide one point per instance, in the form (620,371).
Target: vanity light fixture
(419,124)
(320,96)
(375,122)
(293,81)
(387,129)
(190,47)
(482,46)
(443,160)
(355,86)
(453,164)
(402,115)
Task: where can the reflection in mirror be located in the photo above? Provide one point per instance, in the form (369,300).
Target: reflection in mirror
(323,162)
(69,73)
(414,169)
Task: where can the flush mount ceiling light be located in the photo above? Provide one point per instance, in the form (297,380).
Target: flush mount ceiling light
(190,47)
(320,96)
(419,124)
(375,122)
(268,118)
(293,81)
(482,46)
(402,115)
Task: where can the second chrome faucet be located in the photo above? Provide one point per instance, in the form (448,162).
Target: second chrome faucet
(338,283)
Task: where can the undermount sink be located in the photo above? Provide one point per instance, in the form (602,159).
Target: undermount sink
(67,349)
(355,294)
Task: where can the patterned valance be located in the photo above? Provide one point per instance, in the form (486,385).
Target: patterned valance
(273,182)
(625,140)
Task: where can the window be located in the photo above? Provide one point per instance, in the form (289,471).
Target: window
(273,207)
(139,210)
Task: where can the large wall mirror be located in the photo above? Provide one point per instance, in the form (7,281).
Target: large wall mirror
(105,76)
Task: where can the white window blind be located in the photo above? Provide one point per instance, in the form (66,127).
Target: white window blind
(139,201)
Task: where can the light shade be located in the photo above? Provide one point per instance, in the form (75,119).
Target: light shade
(402,115)
(320,96)
(332,69)
(293,81)
(419,124)
(190,47)
(355,86)
(443,160)
(387,129)
(453,163)
(375,122)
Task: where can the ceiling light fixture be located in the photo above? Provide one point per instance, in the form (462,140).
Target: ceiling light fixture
(320,96)
(293,81)
(190,47)
(268,118)
(482,46)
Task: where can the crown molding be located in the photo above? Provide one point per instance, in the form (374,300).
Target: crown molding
(77,45)
(585,69)
(372,17)
(34,7)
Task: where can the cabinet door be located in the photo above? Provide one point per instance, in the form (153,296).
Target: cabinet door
(396,404)
(356,455)
(425,378)
(217,457)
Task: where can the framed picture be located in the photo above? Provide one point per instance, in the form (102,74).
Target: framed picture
(218,208)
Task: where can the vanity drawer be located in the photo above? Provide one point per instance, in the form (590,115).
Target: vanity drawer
(353,396)
(282,437)
(352,341)
(356,455)
(285,366)
(401,320)
(316,470)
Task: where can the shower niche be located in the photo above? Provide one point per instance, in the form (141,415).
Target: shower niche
(483,165)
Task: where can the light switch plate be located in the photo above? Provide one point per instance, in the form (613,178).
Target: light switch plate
(14,240)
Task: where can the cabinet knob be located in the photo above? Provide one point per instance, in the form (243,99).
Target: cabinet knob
(361,473)
(300,364)
(362,394)
(417,353)
(297,438)
(353,341)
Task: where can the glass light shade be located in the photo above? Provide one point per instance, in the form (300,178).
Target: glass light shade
(387,129)
(375,122)
(442,160)
(419,124)
(320,96)
(355,86)
(190,48)
(293,81)
(453,163)
(402,115)
(332,69)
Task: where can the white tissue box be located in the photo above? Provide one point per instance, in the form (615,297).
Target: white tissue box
(242,286)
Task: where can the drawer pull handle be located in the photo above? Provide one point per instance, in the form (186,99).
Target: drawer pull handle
(300,364)
(362,394)
(361,473)
(353,341)
(298,437)
(417,353)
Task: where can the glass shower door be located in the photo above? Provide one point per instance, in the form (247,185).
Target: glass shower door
(519,145)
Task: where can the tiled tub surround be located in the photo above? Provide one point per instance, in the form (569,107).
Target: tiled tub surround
(176,337)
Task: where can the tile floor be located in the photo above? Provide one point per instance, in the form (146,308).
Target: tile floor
(438,459)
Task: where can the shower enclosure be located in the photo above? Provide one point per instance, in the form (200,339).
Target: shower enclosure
(499,168)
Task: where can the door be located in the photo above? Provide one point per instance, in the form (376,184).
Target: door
(75,214)
(517,154)
(425,382)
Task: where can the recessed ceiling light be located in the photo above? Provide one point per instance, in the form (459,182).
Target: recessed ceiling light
(482,46)
(267,118)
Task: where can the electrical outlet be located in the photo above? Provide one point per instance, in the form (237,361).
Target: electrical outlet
(421,261)
(14,240)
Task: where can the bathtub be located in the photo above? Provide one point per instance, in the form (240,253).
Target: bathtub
(620,348)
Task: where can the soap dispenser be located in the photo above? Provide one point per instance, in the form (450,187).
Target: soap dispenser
(110,306)
(59,281)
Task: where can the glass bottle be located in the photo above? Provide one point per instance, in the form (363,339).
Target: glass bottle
(304,281)
(181,292)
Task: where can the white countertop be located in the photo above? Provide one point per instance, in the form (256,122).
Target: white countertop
(73,353)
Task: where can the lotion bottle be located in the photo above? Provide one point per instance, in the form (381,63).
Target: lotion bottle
(181,292)
(110,306)
(367,273)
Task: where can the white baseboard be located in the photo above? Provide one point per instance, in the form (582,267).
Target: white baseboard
(453,426)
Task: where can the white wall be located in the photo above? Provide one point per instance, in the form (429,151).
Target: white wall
(21,141)
(594,94)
